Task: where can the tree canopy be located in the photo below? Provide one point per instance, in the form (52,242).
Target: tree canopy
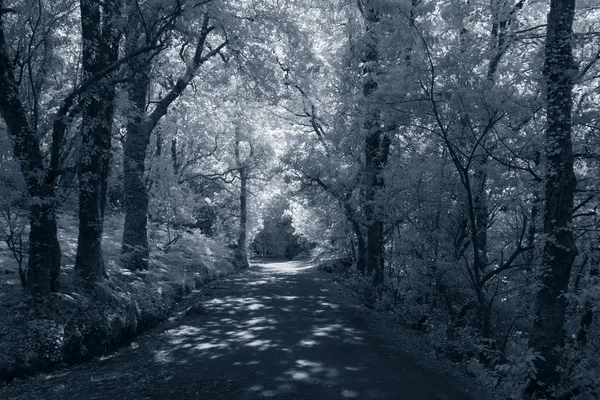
(448,148)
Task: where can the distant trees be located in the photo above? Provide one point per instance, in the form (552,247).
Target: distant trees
(277,237)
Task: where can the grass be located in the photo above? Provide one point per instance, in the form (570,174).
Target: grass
(78,324)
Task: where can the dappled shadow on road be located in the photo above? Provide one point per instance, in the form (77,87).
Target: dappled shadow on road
(270,332)
(279,331)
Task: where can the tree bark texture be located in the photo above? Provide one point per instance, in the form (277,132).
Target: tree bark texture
(100,43)
(375,143)
(241,252)
(44,250)
(135,233)
(360,236)
(559,249)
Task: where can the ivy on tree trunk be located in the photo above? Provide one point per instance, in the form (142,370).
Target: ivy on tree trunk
(100,44)
(135,235)
(559,250)
(377,145)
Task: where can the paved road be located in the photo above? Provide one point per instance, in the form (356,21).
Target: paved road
(272,333)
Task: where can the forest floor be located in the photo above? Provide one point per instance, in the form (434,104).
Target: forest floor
(278,331)
(77,323)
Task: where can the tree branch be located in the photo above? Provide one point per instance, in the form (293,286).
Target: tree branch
(186,78)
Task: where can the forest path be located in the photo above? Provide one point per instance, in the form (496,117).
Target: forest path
(275,332)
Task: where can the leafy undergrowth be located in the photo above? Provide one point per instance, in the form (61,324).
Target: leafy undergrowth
(356,289)
(77,323)
(459,353)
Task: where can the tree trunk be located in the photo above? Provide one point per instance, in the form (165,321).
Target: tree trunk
(374,183)
(43,271)
(559,249)
(593,256)
(174,157)
(533,221)
(374,247)
(93,170)
(135,235)
(588,309)
(100,44)
(360,237)
(480,206)
(374,262)
(241,252)
(479,225)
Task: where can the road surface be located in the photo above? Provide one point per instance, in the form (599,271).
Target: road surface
(274,332)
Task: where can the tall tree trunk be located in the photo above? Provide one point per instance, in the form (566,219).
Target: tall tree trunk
(100,43)
(241,252)
(43,269)
(362,253)
(480,226)
(374,262)
(374,182)
(559,249)
(135,235)
(532,231)
(44,250)
(93,169)
(475,210)
(174,157)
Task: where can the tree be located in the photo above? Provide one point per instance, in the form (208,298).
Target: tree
(560,250)
(40,110)
(242,166)
(377,142)
(100,46)
(141,124)
(43,270)
(277,238)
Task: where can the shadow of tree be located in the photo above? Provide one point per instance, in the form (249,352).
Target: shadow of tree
(276,332)
(272,326)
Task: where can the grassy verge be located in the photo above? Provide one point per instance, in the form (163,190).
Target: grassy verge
(77,324)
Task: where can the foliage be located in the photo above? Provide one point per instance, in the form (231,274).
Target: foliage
(13,212)
(410,133)
(78,324)
(277,238)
